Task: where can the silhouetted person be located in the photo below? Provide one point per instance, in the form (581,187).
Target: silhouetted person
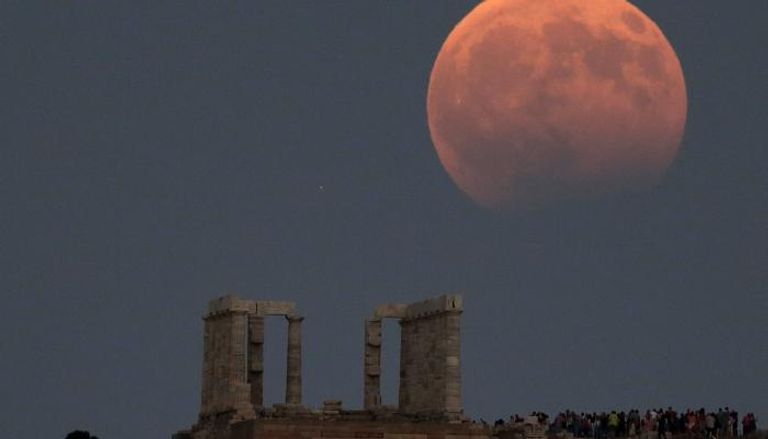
(79,434)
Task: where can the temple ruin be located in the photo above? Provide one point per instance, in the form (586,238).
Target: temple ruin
(430,385)
(233,355)
(429,403)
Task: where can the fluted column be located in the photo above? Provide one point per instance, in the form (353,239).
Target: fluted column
(293,374)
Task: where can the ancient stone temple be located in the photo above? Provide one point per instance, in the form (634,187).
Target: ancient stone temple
(232,405)
(430,384)
(233,352)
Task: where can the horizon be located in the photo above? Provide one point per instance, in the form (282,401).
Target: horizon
(157,156)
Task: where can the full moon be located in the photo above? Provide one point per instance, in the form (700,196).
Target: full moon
(532,102)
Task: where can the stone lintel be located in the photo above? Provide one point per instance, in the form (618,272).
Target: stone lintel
(275,308)
(390,311)
(231,303)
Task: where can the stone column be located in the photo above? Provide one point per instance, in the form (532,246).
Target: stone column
(256,359)
(372,364)
(239,390)
(226,387)
(225,383)
(407,341)
(209,365)
(453,406)
(293,374)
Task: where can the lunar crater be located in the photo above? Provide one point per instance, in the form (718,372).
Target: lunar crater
(633,21)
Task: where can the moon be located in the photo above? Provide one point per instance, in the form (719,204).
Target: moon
(535,102)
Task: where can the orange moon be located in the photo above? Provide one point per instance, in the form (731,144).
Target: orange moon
(531,102)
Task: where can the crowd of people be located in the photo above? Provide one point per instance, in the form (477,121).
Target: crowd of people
(654,423)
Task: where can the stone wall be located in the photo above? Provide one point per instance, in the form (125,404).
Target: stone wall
(351,429)
(225,382)
(430,359)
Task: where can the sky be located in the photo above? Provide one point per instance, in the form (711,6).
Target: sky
(155,155)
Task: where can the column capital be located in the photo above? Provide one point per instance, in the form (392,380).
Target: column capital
(294,318)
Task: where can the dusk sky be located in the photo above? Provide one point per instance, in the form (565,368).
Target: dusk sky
(156,155)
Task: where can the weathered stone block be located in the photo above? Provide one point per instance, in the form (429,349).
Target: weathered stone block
(391,311)
(275,308)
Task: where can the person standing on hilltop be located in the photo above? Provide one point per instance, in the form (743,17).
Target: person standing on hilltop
(613,424)
(664,426)
(749,424)
(728,423)
(634,423)
(692,423)
(710,424)
(722,420)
